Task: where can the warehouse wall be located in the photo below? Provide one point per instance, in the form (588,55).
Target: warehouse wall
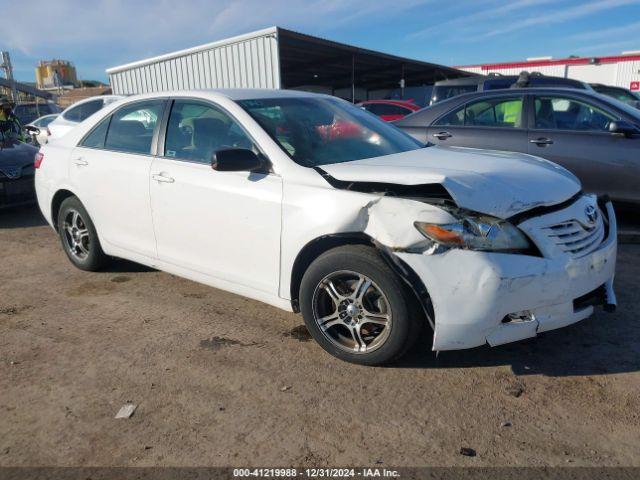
(627,74)
(248,63)
(620,74)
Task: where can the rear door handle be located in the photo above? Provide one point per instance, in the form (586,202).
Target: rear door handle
(162,178)
(541,141)
(80,162)
(442,135)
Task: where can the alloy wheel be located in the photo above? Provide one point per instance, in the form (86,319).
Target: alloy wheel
(76,235)
(352,311)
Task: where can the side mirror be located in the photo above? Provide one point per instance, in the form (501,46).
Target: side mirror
(237,160)
(31,130)
(622,127)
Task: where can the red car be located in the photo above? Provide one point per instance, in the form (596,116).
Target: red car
(390,110)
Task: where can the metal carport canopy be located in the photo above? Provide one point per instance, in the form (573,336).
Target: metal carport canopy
(311,61)
(277,58)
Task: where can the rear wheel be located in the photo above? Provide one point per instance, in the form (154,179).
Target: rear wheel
(78,236)
(356,308)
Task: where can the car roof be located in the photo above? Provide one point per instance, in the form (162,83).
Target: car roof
(250,93)
(484,78)
(97,97)
(46,116)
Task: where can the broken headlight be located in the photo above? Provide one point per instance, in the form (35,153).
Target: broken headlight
(477,232)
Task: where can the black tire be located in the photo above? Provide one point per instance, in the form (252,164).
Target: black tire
(405,317)
(88,255)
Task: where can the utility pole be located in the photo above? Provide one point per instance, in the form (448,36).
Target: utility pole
(5,64)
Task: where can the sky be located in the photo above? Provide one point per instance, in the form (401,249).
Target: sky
(99,34)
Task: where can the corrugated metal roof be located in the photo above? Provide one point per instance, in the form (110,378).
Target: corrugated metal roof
(199,48)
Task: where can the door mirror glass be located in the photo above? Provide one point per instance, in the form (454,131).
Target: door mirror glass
(237,160)
(622,127)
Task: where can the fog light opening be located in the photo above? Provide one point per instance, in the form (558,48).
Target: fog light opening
(519,317)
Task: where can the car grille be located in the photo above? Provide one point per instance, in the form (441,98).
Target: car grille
(576,238)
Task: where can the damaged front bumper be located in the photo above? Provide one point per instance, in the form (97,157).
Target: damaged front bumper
(496,298)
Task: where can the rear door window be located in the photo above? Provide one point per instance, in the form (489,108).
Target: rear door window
(131,128)
(96,137)
(494,112)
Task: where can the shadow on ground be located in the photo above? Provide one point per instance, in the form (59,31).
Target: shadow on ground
(21,217)
(597,346)
(606,343)
(602,344)
(118,265)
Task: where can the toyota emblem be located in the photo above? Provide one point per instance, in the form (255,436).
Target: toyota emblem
(591,213)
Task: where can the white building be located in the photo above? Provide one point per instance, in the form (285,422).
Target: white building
(619,70)
(279,58)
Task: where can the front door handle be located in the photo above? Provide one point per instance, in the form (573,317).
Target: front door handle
(162,178)
(80,162)
(442,135)
(541,141)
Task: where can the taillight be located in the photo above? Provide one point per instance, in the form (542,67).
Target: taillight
(38,160)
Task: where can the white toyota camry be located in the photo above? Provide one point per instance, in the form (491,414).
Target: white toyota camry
(310,204)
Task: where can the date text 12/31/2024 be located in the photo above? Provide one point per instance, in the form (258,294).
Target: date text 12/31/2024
(316,472)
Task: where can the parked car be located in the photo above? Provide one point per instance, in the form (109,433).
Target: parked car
(619,93)
(16,172)
(445,89)
(42,124)
(370,235)
(79,112)
(389,110)
(29,111)
(419,95)
(592,135)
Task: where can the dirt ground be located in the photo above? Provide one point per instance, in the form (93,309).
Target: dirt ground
(220,380)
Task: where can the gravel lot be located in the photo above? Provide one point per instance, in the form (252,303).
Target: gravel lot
(220,380)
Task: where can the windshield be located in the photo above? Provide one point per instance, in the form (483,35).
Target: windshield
(617,93)
(632,112)
(316,131)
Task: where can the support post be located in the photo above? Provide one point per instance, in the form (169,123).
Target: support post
(353,78)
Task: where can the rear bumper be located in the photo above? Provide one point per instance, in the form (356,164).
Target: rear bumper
(475,293)
(17,192)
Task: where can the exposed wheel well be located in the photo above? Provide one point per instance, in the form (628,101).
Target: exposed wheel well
(317,247)
(58,198)
(313,250)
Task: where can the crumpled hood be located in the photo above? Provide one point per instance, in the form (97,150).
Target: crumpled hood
(501,184)
(14,156)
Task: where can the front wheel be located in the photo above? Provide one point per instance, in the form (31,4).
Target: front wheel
(78,236)
(356,308)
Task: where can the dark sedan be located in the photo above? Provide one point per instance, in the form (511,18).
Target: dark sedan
(594,136)
(16,173)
